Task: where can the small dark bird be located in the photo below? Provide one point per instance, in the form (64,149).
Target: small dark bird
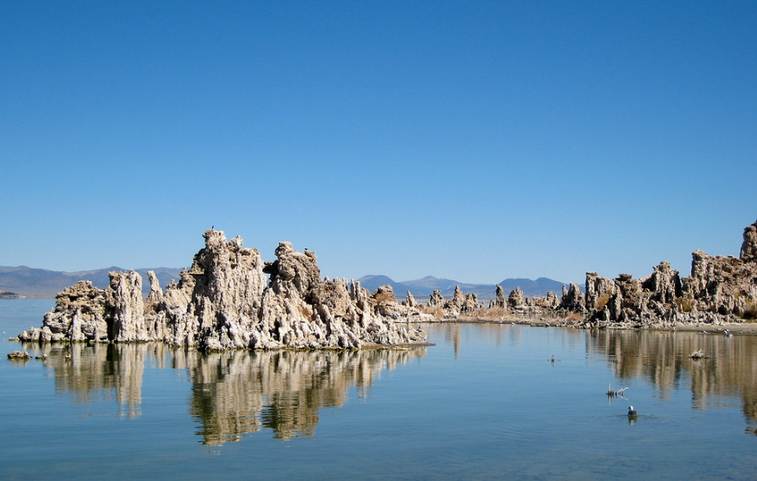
(632,412)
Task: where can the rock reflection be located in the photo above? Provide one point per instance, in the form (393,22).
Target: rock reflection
(662,358)
(238,392)
(100,369)
(232,393)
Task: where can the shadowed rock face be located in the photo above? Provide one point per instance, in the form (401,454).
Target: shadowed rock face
(226,301)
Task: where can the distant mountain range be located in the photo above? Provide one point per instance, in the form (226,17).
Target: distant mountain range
(424,286)
(43,283)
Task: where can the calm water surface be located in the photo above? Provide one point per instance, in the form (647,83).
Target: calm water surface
(485,402)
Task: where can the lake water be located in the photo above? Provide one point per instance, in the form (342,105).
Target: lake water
(486,402)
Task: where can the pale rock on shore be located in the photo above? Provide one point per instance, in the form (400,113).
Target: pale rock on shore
(231,299)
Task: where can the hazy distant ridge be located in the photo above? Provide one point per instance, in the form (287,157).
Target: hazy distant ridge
(31,282)
(424,286)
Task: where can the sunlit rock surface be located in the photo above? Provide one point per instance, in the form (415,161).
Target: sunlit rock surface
(231,299)
(720,289)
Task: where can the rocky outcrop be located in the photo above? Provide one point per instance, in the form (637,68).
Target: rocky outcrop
(516,298)
(499,297)
(598,290)
(724,285)
(156,294)
(436,299)
(572,299)
(79,313)
(410,300)
(458,298)
(536,304)
(551,300)
(749,245)
(664,283)
(19,356)
(125,308)
(226,301)
(720,289)
(471,303)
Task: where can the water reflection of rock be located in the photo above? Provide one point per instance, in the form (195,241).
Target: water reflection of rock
(100,369)
(730,368)
(234,392)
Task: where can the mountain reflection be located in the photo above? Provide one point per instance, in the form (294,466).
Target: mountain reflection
(730,368)
(232,393)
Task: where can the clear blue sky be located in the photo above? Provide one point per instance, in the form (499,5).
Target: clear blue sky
(472,140)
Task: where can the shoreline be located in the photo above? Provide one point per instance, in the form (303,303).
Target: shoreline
(740,328)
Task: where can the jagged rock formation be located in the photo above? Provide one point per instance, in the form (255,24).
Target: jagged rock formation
(436,299)
(471,303)
(499,298)
(125,308)
(410,300)
(458,298)
(224,301)
(572,298)
(719,289)
(749,245)
(516,298)
(79,313)
(598,291)
(551,300)
(536,304)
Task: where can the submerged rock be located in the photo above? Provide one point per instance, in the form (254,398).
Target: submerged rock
(19,356)
(225,301)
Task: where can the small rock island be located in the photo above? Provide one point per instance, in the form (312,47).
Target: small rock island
(231,299)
